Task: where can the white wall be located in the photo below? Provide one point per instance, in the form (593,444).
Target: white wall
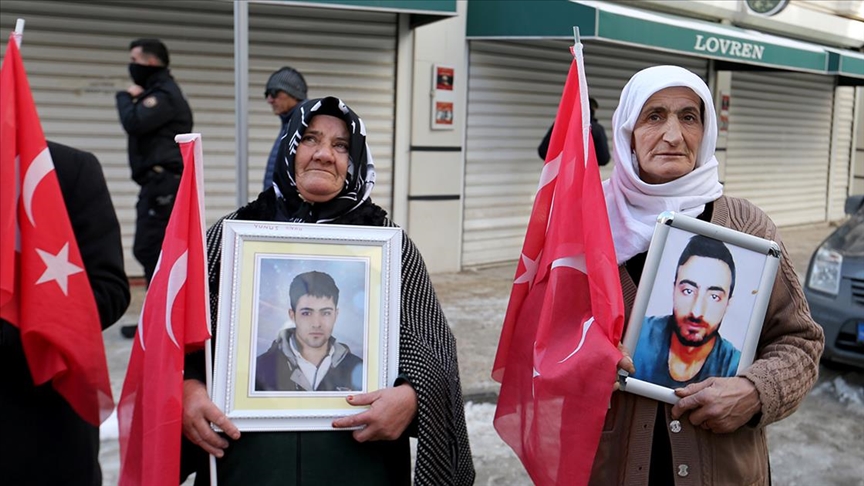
(435,173)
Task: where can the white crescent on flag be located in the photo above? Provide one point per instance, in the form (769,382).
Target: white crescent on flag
(549,172)
(576,262)
(585,327)
(176,280)
(39,168)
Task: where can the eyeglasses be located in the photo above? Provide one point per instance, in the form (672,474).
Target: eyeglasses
(272,93)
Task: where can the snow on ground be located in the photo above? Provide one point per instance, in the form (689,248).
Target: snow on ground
(109,429)
(839,389)
(495,463)
(820,444)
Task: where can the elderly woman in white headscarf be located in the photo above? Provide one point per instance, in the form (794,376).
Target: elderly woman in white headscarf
(665,133)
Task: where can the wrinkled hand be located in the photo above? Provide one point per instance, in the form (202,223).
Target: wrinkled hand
(625,363)
(135,90)
(198,412)
(390,413)
(721,405)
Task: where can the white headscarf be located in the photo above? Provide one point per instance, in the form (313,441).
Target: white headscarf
(633,205)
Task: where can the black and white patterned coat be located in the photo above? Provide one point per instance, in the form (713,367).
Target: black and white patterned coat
(427,350)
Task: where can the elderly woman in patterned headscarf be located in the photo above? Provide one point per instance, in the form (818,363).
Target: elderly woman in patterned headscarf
(325,174)
(665,134)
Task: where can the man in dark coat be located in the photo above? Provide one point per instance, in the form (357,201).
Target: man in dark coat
(598,133)
(153,111)
(42,440)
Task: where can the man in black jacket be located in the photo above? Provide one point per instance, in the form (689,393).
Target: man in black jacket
(153,110)
(42,440)
(601,144)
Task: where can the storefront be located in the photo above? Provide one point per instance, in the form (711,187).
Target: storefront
(849,103)
(76,56)
(782,134)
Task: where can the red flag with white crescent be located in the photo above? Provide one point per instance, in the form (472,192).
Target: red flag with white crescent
(558,353)
(44,290)
(175,318)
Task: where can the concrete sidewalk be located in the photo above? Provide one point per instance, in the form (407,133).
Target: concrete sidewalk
(474,302)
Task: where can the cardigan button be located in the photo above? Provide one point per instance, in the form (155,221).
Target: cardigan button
(682,470)
(675,426)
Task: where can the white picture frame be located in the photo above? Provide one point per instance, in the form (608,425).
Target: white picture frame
(655,320)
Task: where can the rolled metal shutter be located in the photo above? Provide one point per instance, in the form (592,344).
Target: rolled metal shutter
(76,55)
(841,151)
(513,92)
(349,54)
(779,142)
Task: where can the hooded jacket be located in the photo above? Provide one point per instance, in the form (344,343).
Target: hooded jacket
(277,370)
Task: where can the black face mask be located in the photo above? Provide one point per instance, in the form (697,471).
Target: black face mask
(141,73)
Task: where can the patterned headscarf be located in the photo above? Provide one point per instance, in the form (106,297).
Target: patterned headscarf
(633,204)
(361,170)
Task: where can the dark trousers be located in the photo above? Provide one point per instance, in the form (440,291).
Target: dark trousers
(43,442)
(155,202)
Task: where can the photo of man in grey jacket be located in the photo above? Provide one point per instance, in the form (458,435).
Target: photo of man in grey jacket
(307,357)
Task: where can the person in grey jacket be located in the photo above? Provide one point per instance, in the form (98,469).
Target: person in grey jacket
(285,89)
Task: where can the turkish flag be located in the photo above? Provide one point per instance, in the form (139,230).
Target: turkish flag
(558,352)
(44,290)
(175,318)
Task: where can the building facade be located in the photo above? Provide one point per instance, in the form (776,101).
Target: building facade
(457,159)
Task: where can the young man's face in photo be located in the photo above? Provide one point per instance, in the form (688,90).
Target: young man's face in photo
(700,299)
(314,319)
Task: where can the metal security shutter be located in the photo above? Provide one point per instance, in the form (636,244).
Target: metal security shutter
(841,151)
(76,55)
(513,92)
(779,142)
(349,54)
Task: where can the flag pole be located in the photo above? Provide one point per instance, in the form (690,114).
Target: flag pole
(583,99)
(208,366)
(19,32)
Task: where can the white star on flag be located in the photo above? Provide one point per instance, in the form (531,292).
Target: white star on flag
(530,270)
(58,268)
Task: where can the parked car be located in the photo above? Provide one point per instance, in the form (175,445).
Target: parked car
(834,288)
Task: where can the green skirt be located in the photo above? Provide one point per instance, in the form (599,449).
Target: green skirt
(311,459)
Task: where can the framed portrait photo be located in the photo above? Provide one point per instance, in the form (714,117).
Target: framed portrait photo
(699,307)
(308,315)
